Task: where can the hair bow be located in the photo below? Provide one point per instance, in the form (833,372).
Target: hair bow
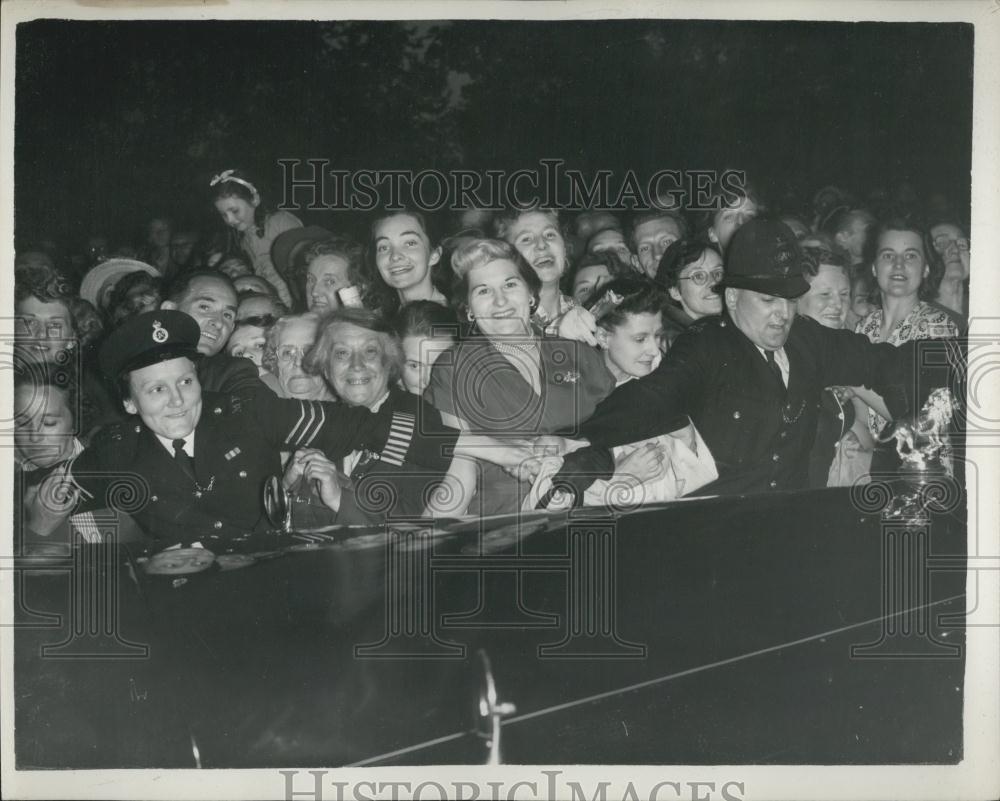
(229,175)
(222,176)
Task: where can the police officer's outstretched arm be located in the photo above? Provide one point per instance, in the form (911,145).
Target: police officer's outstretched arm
(653,405)
(636,410)
(848,359)
(405,430)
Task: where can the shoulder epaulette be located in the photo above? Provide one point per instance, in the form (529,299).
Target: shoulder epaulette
(710,322)
(120,438)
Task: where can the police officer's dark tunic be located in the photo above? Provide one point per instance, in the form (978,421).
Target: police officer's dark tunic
(759,432)
(236,447)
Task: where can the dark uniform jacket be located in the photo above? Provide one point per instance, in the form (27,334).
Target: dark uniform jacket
(759,432)
(376,491)
(236,446)
(230,374)
(675,322)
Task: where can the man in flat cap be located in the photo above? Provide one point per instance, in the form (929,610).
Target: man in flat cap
(751,379)
(190,465)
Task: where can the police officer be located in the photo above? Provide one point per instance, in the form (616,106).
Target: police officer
(189,466)
(751,379)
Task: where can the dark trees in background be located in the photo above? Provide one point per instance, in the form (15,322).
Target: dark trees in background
(115,120)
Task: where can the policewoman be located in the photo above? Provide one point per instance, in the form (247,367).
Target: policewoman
(751,380)
(189,465)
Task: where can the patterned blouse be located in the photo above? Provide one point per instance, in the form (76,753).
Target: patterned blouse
(923,322)
(550,325)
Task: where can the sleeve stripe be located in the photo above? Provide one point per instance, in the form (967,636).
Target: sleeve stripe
(86,525)
(302,415)
(305,429)
(400,435)
(319,423)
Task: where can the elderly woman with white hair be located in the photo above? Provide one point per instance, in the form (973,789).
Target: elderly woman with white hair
(288,341)
(360,357)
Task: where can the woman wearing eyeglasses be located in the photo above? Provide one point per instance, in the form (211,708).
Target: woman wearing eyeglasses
(689,269)
(288,341)
(908,272)
(952,245)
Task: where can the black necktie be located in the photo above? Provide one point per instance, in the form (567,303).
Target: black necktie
(769,355)
(185,461)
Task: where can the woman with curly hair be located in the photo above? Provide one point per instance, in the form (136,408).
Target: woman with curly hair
(358,354)
(506,379)
(52,319)
(55,327)
(327,267)
(285,348)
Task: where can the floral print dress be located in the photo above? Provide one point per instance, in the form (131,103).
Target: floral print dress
(923,322)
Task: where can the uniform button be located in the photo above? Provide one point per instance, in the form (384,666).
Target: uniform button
(197,493)
(138,429)
(243,473)
(784,434)
(773,484)
(154,498)
(217,410)
(217,524)
(376,457)
(736,415)
(775,457)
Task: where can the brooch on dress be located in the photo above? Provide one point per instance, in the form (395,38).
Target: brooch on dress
(570,377)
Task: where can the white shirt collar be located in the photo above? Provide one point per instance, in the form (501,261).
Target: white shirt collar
(378,404)
(781,359)
(169,444)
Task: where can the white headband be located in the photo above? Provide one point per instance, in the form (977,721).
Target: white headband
(227,176)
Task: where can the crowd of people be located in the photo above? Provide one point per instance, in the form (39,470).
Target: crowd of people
(519,359)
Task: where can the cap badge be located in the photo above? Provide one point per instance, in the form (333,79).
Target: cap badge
(783,256)
(160,333)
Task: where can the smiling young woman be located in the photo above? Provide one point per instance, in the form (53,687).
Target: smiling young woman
(406,265)
(907,271)
(505,379)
